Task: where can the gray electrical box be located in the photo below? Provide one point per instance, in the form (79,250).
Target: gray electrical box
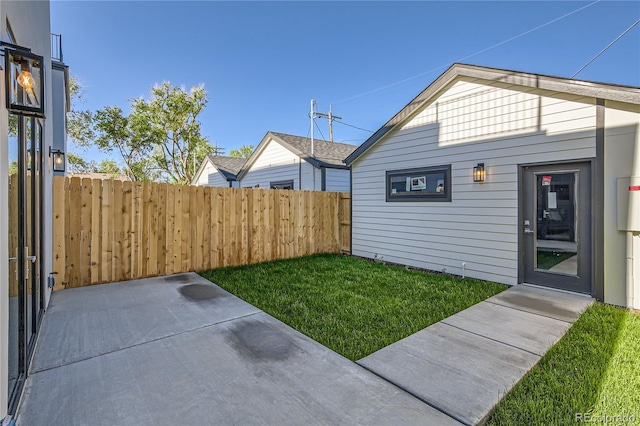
(629,204)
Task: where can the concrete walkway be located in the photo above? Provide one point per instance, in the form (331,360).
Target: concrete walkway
(465,364)
(181,351)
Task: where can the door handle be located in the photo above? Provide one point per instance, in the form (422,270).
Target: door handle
(28,258)
(528,231)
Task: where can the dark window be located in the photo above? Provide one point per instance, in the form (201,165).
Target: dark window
(283,184)
(421,184)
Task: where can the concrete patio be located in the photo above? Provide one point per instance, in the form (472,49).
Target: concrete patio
(181,350)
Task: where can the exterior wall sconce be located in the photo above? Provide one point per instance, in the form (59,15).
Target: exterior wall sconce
(58,159)
(24,81)
(478,173)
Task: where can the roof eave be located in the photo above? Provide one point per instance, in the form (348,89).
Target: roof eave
(627,94)
(254,155)
(196,177)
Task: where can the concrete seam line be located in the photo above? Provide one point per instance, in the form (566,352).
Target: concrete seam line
(492,339)
(144,343)
(529,312)
(418,397)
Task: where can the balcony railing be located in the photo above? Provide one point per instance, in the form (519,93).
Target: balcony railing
(56,47)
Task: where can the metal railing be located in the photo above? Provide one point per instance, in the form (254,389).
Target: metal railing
(56,47)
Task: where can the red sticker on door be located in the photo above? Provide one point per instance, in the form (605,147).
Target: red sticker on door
(546,180)
(634,188)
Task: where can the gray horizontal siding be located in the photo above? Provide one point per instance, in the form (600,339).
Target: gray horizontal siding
(480,225)
(337,180)
(216,179)
(264,177)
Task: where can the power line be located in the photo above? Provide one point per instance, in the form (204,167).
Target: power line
(351,140)
(330,117)
(605,49)
(314,122)
(355,127)
(468,56)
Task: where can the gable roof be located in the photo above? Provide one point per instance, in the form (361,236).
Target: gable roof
(614,92)
(326,154)
(229,167)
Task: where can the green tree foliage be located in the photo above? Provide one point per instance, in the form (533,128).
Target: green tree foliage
(79,121)
(168,122)
(159,140)
(79,165)
(13,125)
(113,131)
(244,151)
(13,168)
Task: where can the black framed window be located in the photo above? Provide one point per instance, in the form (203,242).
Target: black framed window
(419,184)
(282,184)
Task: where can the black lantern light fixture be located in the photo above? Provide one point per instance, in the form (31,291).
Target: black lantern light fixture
(58,159)
(24,81)
(478,173)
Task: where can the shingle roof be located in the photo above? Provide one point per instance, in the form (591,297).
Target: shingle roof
(325,152)
(228,166)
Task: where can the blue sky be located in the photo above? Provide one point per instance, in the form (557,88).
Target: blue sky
(262,62)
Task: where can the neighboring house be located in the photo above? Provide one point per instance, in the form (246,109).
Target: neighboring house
(559,204)
(32,108)
(284,161)
(217,170)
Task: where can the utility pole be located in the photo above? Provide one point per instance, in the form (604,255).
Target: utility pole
(312,115)
(329,117)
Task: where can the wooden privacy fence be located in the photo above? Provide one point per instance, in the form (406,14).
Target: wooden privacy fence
(109,230)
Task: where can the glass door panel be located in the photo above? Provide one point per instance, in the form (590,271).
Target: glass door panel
(556,226)
(29,231)
(556,223)
(14,299)
(38,179)
(25,287)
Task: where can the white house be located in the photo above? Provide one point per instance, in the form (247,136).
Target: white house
(556,196)
(217,170)
(284,161)
(32,113)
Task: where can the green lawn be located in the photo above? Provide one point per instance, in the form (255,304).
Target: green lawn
(353,306)
(593,369)
(549,259)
